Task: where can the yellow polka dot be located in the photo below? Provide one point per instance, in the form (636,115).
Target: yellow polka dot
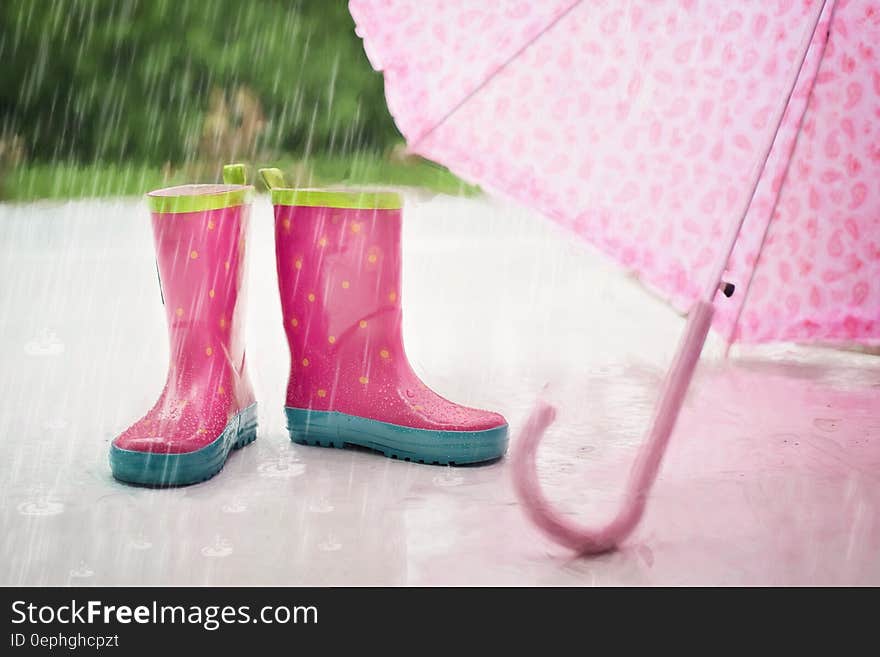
(193,254)
(202,430)
(392,296)
(305,362)
(345,285)
(294,322)
(385,353)
(285,224)
(222,322)
(364,380)
(355,228)
(179,312)
(418,407)
(362,323)
(322,393)
(372,258)
(211,225)
(221,390)
(211,293)
(331,339)
(226,265)
(311,297)
(298,264)
(209,351)
(322,241)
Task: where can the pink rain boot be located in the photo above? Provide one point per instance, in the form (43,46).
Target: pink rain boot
(207,406)
(338,257)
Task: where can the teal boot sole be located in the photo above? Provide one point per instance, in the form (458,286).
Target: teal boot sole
(334,429)
(150,469)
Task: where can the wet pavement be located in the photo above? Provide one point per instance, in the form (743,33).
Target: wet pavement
(772,476)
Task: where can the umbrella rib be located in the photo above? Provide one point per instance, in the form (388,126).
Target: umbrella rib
(758,170)
(797,136)
(494,74)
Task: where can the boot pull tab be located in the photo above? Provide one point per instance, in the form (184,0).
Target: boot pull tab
(235,174)
(274,178)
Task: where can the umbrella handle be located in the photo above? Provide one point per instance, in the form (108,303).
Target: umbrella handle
(587,540)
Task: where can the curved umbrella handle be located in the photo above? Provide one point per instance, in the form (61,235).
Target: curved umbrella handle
(587,540)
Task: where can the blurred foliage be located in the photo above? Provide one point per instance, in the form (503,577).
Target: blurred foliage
(158,81)
(59,180)
(63,180)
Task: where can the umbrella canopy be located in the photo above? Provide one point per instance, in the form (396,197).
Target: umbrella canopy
(693,142)
(637,126)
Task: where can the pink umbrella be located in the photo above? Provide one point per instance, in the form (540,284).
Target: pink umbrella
(706,146)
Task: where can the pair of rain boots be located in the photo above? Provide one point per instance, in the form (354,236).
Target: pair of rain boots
(339,262)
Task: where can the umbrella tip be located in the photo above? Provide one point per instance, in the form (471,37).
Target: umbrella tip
(727,289)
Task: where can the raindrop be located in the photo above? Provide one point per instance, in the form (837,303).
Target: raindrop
(220,548)
(320,506)
(330,544)
(448,479)
(235,506)
(82,571)
(140,542)
(284,466)
(45,343)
